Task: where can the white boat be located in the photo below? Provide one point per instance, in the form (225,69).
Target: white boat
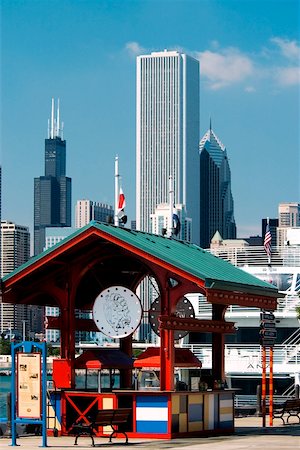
(243,359)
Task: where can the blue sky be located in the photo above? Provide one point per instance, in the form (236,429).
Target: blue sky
(83,52)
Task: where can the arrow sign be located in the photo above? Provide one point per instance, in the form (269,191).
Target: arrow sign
(267,342)
(268,325)
(267,316)
(269,333)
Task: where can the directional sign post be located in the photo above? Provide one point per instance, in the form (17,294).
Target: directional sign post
(267,335)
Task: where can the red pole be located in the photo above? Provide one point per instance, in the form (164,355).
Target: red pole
(271,388)
(263,386)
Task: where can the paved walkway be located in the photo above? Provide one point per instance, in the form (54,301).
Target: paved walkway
(249,435)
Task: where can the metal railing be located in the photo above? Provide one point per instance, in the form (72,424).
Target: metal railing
(286,305)
(246,358)
(256,255)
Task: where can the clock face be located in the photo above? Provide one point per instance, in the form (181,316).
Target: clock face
(184,309)
(117,312)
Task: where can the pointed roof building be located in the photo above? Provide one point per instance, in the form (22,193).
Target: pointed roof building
(216,201)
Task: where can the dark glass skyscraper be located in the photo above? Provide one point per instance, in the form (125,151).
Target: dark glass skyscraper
(52,192)
(216,202)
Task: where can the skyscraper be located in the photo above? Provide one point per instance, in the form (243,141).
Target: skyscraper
(288,217)
(15,251)
(167,135)
(52,192)
(86,210)
(216,201)
(289,214)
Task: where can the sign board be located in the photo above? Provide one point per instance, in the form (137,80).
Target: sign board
(267,342)
(267,316)
(29,385)
(268,325)
(269,333)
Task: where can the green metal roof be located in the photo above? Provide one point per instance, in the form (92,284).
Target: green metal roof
(217,273)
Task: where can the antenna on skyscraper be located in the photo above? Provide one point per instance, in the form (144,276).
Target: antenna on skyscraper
(52,120)
(62,131)
(57,120)
(210,123)
(48,128)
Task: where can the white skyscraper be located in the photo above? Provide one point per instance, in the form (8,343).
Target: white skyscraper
(86,210)
(167,135)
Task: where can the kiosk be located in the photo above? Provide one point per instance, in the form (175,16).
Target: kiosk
(99,269)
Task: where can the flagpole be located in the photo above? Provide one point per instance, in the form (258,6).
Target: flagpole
(268,242)
(269,255)
(116,221)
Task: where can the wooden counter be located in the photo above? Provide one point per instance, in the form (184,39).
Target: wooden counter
(158,414)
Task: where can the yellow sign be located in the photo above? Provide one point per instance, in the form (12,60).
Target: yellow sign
(29,385)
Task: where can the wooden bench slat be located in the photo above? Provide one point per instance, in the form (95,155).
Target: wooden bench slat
(105,417)
(291,407)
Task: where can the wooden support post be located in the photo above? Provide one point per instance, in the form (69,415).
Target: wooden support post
(167,352)
(263,386)
(218,357)
(126,375)
(271,388)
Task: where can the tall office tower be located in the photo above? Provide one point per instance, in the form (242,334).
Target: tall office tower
(15,251)
(167,135)
(288,217)
(216,202)
(52,192)
(86,210)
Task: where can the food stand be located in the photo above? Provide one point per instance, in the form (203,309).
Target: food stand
(99,269)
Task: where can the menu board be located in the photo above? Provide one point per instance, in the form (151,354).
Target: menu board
(29,385)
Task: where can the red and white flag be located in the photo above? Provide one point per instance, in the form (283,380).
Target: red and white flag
(122,203)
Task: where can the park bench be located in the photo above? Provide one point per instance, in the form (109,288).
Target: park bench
(106,417)
(290,407)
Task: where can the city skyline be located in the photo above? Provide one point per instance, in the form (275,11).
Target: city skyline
(249,85)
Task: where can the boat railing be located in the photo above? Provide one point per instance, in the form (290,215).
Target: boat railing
(247,357)
(256,255)
(251,401)
(286,305)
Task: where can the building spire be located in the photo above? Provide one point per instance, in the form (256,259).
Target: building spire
(210,124)
(55,127)
(52,120)
(57,120)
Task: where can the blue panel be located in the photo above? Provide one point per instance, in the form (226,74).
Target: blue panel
(227,424)
(151,400)
(153,427)
(195,412)
(55,403)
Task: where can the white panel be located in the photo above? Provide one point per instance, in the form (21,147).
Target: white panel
(150,414)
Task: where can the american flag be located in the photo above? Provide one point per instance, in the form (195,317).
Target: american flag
(268,240)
